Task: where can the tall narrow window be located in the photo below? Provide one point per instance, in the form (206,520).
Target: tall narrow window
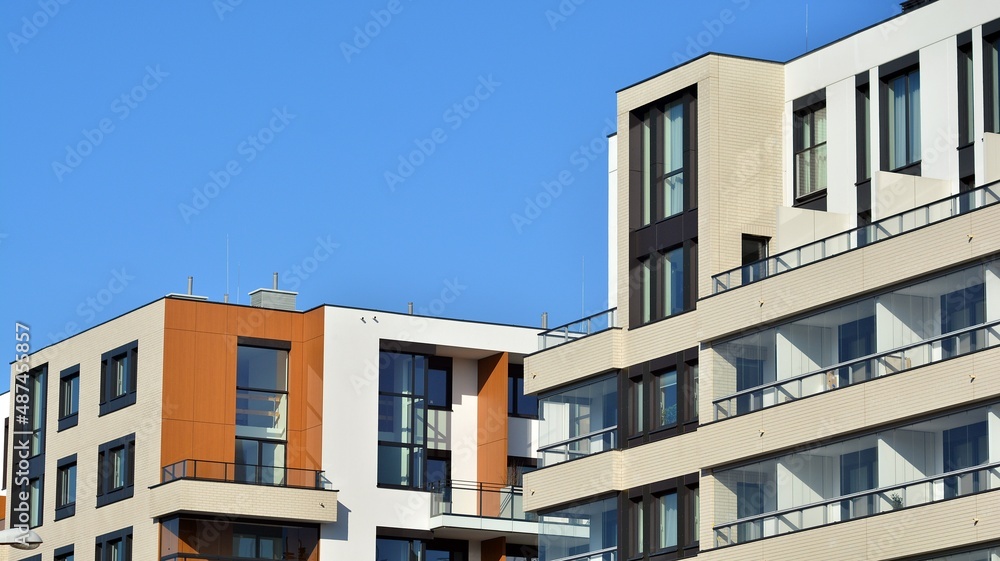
(648,287)
(661,133)
(966,104)
(754,252)
(665,534)
(35,502)
(119,371)
(66,487)
(991,59)
(36,408)
(116,470)
(637,526)
(261,413)
(810,150)
(903,119)
(69,397)
(864,136)
(666,398)
(673,282)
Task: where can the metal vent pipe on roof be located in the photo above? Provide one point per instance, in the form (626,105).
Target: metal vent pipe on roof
(190,286)
(275,281)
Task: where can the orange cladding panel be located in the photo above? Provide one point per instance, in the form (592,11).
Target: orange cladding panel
(492,419)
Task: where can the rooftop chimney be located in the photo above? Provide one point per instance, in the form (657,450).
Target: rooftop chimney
(273,298)
(190,292)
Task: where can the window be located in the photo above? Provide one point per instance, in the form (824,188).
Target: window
(64,553)
(864,132)
(118,377)
(66,487)
(115,546)
(754,250)
(901,120)
(35,501)
(207,538)
(584,530)
(966,103)
(256,541)
(517,467)
(991,75)
(662,398)
(260,462)
(662,519)
(261,411)
(810,150)
(401,549)
(69,397)
(663,285)
(407,383)
(663,144)
(36,408)
(519,404)
(578,421)
(115,470)
(520,552)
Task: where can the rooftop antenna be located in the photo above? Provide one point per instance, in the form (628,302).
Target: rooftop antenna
(226,298)
(583,285)
(807,26)
(237,282)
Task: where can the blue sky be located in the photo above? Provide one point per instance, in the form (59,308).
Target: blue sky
(374,152)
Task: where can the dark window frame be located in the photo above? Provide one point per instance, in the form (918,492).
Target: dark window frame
(40,478)
(655,289)
(65,510)
(686,487)
(67,420)
(102,544)
(110,400)
(63,553)
(803,109)
(515,391)
(966,89)
(903,66)
(37,407)
(106,492)
(991,74)
(639,382)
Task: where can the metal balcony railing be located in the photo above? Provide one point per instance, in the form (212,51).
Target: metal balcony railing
(578,446)
(601,321)
(204,470)
(875,232)
(884,363)
(483,500)
(958,483)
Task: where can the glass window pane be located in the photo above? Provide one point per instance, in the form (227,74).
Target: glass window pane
(437,388)
(666,521)
(578,530)
(647,170)
(393,465)
(673,281)
(262,369)
(646,266)
(261,414)
(913,125)
(666,398)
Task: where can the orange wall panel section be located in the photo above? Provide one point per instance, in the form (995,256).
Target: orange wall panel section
(199,379)
(492,422)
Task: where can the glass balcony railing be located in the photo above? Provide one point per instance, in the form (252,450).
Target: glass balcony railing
(875,232)
(578,447)
(483,500)
(928,351)
(204,470)
(958,483)
(580,328)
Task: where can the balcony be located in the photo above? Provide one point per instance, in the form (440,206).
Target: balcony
(863,236)
(269,493)
(484,508)
(578,329)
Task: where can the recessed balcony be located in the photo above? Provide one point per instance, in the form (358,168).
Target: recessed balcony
(578,329)
(246,491)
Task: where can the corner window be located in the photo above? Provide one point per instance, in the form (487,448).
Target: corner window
(118,377)
(66,487)
(810,150)
(662,398)
(115,546)
(519,404)
(116,470)
(901,119)
(69,397)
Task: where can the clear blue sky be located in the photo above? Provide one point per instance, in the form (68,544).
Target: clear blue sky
(119,121)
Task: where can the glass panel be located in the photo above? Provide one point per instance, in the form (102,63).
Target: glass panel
(897,122)
(666,521)
(118,468)
(437,388)
(262,369)
(673,159)
(636,523)
(970,103)
(866,164)
(674,281)
(638,399)
(35,504)
(396,550)
(646,266)
(121,375)
(666,399)
(394,465)
(647,170)
(69,396)
(578,530)
(261,414)
(913,126)
(994,49)
(247,460)
(67,485)
(571,419)
(272,461)
(819,122)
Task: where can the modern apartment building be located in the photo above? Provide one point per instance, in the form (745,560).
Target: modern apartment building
(189,429)
(802,360)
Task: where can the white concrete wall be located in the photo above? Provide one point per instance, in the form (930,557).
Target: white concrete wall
(350,433)
(613,221)
(799,226)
